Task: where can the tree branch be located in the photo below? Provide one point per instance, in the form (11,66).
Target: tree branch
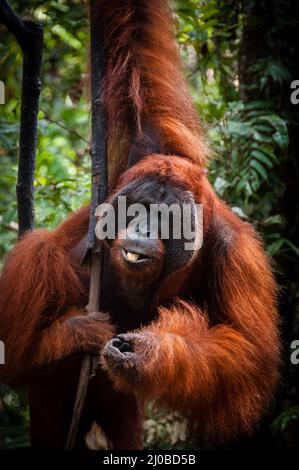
(99,194)
(65,128)
(12,22)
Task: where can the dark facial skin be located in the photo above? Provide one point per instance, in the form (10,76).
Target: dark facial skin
(145,263)
(140,255)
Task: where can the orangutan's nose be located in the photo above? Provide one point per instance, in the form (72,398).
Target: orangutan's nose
(140,245)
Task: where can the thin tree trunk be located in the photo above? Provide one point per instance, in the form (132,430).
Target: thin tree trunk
(30,38)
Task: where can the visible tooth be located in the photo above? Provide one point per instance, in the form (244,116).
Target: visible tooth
(132,256)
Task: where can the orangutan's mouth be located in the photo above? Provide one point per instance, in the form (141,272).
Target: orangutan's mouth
(134,257)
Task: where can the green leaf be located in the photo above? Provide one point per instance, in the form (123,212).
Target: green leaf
(273,220)
(282,140)
(275,247)
(259,169)
(262,158)
(239,128)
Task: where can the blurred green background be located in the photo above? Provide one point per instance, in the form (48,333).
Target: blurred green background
(240,58)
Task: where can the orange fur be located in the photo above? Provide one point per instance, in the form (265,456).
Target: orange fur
(39,284)
(144,86)
(219,366)
(210,347)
